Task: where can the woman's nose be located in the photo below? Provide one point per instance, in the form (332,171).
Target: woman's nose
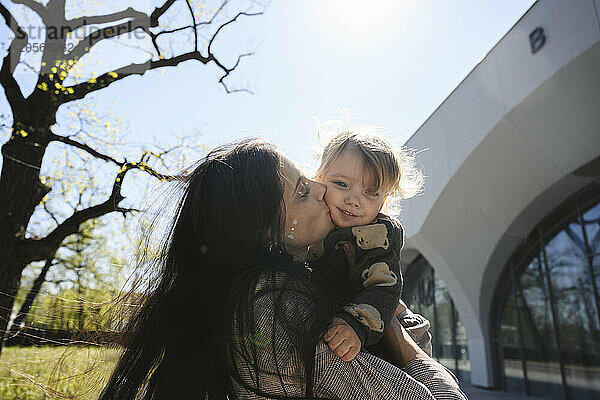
(319,190)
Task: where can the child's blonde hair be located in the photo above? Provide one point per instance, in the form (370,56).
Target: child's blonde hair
(395,173)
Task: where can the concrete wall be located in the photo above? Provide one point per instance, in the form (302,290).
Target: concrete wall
(502,149)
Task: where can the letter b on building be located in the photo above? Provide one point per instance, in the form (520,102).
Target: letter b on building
(537,39)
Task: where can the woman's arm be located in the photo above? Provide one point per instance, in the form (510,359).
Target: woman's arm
(369,377)
(416,326)
(402,347)
(417,363)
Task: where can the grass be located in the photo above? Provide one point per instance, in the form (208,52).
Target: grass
(63,372)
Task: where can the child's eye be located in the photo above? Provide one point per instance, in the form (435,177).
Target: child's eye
(340,184)
(373,194)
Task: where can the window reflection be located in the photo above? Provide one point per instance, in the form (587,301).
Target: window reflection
(577,313)
(591,221)
(514,380)
(537,330)
(425,293)
(550,321)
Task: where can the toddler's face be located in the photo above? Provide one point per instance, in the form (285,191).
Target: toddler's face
(347,182)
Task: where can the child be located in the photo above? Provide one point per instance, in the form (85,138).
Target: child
(360,261)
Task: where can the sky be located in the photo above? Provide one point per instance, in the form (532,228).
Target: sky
(388,64)
(385,63)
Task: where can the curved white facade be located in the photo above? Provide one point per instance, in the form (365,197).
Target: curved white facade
(518,136)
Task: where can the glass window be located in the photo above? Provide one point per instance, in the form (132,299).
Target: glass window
(418,292)
(424,292)
(576,313)
(514,380)
(591,221)
(537,330)
(550,320)
(462,350)
(444,311)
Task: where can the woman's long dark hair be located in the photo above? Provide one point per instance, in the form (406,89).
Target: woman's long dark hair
(179,342)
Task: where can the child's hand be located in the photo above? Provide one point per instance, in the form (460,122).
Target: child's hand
(342,339)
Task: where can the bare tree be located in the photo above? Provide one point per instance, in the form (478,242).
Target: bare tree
(34,116)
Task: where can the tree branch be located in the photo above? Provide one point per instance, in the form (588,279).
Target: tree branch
(33,250)
(142,22)
(30,250)
(227,23)
(80,90)
(194,24)
(15,327)
(8,82)
(159,11)
(108,32)
(124,166)
(223,67)
(103,19)
(227,71)
(82,146)
(35,6)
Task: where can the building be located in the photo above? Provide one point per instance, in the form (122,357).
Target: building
(502,249)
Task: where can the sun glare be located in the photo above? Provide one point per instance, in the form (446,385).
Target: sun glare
(361,21)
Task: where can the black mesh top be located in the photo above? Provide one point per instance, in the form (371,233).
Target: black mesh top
(277,345)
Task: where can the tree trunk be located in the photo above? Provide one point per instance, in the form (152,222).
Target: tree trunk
(20,192)
(10,279)
(29,299)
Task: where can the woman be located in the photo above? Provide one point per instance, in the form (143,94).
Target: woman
(234,314)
